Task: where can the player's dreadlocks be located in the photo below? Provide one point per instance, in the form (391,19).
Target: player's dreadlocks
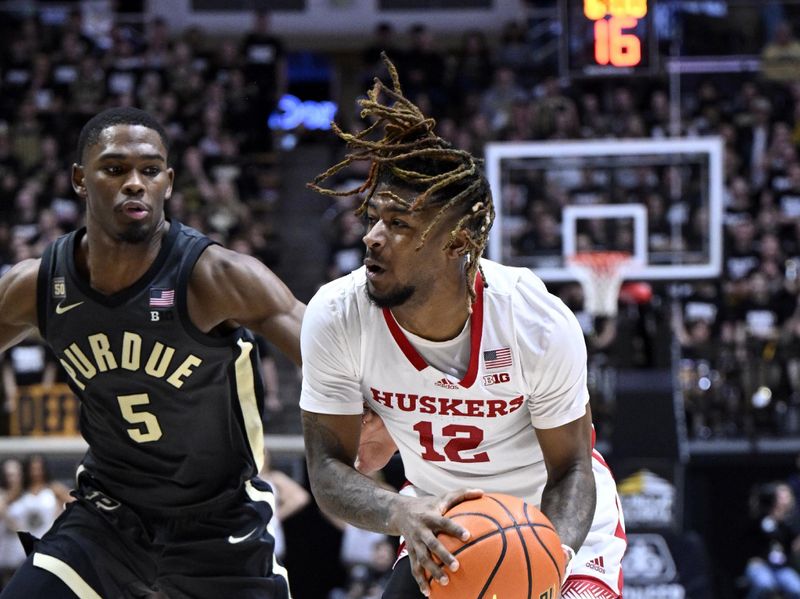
(411,155)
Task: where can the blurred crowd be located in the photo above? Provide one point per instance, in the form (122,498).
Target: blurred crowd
(738,336)
(214,101)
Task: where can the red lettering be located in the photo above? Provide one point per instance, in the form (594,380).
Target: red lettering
(515,404)
(497,407)
(407,403)
(449,407)
(427,404)
(425,430)
(384,397)
(464,438)
(474,407)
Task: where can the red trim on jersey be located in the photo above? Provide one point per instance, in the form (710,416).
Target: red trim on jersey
(587,586)
(476,334)
(596,455)
(619,532)
(405,345)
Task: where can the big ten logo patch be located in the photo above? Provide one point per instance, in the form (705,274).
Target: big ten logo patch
(494,379)
(161,315)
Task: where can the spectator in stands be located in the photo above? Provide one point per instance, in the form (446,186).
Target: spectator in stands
(290,498)
(347,249)
(266,70)
(515,49)
(11,552)
(472,65)
(499,97)
(383,40)
(269,373)
(41,501)
(423,64)
(776,539)
(29,363)
(368,580)
(780,59)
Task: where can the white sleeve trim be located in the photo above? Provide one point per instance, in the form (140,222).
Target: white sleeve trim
(66,574)
(561,419)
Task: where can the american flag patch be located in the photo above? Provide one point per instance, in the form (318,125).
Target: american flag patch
(497,358)
(162,298)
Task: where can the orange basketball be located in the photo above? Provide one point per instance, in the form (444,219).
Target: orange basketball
(513,552)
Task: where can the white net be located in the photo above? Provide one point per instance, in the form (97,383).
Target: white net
(600,275)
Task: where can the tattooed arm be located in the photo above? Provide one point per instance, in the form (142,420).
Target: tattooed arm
(569,496)
(331,443)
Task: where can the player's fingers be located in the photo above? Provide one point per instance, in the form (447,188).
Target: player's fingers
(418,571)
(451,528)
(444,556)
(455,497)
(430,569)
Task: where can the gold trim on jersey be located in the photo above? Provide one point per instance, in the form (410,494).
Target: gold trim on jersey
(269,498)
(64,572)
(246,392)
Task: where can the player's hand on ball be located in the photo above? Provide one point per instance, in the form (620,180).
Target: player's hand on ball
(419,520)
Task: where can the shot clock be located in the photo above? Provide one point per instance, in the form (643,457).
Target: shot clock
(608,37)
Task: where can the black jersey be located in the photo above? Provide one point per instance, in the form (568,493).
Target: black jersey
(171,414)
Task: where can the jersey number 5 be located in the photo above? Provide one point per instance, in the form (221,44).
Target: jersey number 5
(462,438)
(147,428)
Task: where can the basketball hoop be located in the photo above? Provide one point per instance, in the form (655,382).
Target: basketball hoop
(600,275)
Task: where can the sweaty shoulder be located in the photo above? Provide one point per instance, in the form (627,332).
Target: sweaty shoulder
(18,302)
(226,285)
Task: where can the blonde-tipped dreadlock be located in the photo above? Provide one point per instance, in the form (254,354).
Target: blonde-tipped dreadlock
(410,153)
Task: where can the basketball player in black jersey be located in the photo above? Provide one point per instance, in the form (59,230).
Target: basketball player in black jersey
(152,322)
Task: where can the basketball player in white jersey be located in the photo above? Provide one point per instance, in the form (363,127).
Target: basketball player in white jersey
(477,372)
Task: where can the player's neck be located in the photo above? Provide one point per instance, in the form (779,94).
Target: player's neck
(110,265)
(440,315)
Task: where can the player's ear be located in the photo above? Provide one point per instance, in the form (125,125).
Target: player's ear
(171,175)
(459,246)
(78,183)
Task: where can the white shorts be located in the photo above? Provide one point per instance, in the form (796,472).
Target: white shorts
(600,556)
(598,563)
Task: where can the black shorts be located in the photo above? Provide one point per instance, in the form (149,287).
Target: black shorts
(100,548)
(402,584)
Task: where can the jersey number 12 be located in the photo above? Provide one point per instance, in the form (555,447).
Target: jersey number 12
(463,437)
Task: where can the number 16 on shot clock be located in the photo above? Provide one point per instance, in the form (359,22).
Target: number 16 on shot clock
(616,41)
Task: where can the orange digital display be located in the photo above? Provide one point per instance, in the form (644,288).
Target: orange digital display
(616,42)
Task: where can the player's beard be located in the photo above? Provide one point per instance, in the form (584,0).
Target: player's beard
(135,233)
(393,299)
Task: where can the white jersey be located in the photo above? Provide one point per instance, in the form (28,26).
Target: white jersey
(527,368)
(35,512)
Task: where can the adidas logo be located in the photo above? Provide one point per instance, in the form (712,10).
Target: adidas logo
(443,382)
(597,565)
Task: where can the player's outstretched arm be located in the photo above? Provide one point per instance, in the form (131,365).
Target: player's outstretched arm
(18,303)
(376,446)
(331,446)
(569,496)
(228,288)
